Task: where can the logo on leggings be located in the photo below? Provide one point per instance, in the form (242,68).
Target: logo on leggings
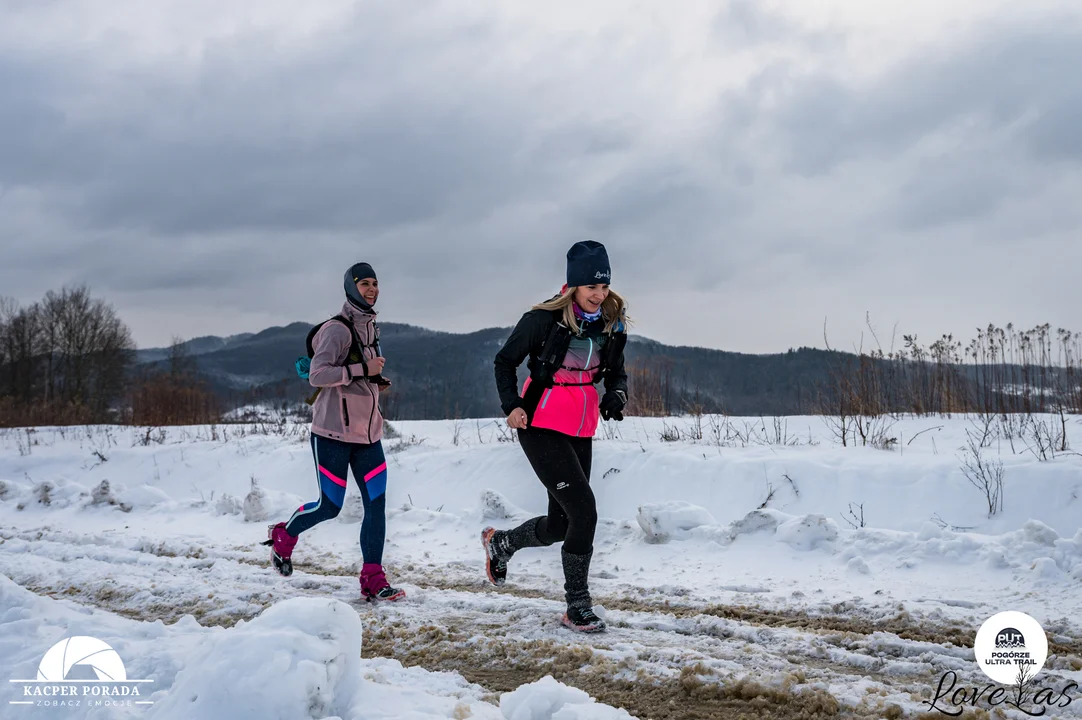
(561,486)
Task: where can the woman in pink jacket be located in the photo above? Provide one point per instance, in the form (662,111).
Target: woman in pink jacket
(573,341)
(347,427)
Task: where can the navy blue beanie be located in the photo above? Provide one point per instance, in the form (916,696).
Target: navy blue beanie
(354,275)
(588,264)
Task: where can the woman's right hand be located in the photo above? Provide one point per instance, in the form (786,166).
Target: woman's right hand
(517,419)
(375,365)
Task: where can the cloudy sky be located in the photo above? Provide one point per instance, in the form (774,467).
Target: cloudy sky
(755,168)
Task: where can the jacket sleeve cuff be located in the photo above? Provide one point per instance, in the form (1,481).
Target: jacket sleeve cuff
(516,403)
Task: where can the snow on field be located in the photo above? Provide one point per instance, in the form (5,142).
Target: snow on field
(740,568)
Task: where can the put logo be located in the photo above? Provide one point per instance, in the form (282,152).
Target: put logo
(81,671)
(1011,647)
(1010,638)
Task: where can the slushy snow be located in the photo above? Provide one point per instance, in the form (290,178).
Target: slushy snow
(150,542)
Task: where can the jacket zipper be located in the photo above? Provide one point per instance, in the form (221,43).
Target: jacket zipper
(375,401)
(589,357)
(373,388)
(345,411)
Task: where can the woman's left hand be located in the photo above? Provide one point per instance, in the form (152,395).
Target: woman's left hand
(517,420)
(612,405)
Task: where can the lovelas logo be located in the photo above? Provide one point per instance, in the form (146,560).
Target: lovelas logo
(1010,649)
(81,671)
(67,657)
(599,275)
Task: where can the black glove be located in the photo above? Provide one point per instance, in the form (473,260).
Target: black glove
(612,405)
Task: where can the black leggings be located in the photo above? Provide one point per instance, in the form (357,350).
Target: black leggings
(562,463)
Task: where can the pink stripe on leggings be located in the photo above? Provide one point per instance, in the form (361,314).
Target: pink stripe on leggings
(337,481)
(374,472)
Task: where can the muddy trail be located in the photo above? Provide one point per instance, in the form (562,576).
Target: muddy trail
(858,622)
(661,659)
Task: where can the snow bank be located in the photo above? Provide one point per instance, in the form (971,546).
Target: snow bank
(299,659)
(548,699)
(808,532)
(663,521)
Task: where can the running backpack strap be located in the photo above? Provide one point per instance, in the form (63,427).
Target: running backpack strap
(355,346)
(303,364)
(613,371)
(375,343)
(353,342)
(614,348)
(308,340)
(544,367)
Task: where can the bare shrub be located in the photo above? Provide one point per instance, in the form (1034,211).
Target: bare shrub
(669,433)
(855,516)
(983,473)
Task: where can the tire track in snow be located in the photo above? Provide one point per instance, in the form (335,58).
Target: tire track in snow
(675,659)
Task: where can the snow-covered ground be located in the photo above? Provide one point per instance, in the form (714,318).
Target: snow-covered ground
(732,568)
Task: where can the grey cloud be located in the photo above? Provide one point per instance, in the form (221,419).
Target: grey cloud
(333,138)
(590,138)
(673,221)
(241,184)
(744,23)
(394,165)
(956,131)
(662,195)
(1024,79)
(961,186)
(1056,134)
(29,126)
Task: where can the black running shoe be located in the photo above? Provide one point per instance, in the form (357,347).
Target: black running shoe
(495,561)
(583,620)
(386,593)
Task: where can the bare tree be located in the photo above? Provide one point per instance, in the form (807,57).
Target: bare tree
(20,337)
(650,388)
(65,359)
(20,341)
(93,347)
(181,362)
(175,394)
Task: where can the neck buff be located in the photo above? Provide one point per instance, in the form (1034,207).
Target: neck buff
(583,315)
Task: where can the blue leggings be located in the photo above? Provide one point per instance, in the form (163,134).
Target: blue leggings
(333,459)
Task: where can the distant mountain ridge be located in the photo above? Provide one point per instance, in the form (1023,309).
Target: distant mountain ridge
(195,346)
(440,374)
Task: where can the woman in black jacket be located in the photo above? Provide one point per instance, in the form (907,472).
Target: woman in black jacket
(572,341)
